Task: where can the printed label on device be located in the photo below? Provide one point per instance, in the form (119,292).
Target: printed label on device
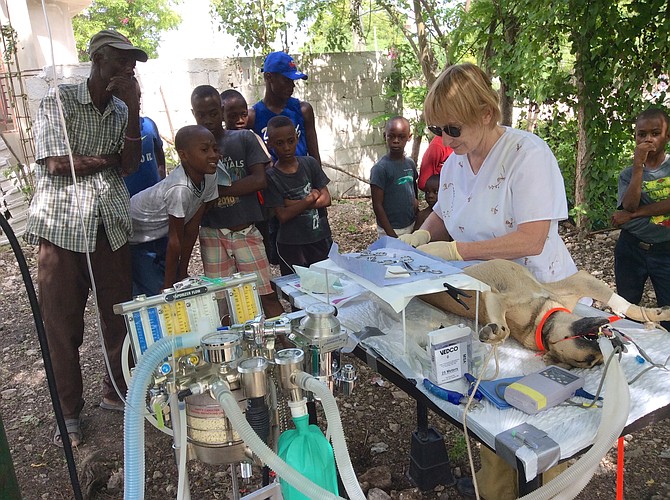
(450,353)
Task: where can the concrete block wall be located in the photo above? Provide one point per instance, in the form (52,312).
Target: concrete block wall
(345,90)
(13,201)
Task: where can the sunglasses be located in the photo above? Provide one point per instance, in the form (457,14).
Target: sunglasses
(450,130)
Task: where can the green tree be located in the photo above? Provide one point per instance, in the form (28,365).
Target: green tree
(255,25)
(339,26)
(581,70)
(331,25)
(599,59)
(414,31)
(621,49)
(142,21)
(424,24)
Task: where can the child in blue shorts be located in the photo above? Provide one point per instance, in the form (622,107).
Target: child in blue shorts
(167,215)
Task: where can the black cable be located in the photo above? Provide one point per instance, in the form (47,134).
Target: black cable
(44,347)
(311,411)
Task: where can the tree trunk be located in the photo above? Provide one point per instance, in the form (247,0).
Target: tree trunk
(582,48)
(506,105)
(416,147)
(427,60)
(426,57)
(583,157)
(510,25)
(531,120)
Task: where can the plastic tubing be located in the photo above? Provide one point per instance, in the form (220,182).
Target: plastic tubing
(181,460)
(310,383)
(125,366)
(125,363)
(615,411)
(133,423)
(222,394)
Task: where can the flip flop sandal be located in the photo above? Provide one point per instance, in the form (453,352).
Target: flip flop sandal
(73,426)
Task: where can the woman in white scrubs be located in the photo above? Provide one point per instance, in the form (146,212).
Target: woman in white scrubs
(501,192)
(501,196)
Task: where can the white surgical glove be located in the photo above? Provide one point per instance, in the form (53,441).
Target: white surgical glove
(444,249)
(418,237)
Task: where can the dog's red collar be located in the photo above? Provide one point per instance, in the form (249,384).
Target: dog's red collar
(538,330)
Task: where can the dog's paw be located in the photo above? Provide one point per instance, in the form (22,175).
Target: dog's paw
(661,313)
(648,314)
(487,332)
(493,332)
(651,325)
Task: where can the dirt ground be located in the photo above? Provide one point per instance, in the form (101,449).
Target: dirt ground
(378,418)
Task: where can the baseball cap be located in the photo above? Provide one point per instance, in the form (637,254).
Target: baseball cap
(114,39)
(282,63)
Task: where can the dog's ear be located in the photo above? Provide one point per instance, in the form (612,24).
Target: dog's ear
(586,326)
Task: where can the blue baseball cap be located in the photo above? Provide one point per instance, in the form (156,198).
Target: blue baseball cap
(282,63)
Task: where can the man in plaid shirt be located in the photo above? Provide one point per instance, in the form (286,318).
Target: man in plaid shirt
(101,118)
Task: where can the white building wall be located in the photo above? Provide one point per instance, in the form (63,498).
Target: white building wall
(33,43)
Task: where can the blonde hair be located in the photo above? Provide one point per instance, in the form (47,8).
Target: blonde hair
(462,93)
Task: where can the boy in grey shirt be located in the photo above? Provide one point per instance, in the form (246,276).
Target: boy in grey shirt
(166,216)
(393,183)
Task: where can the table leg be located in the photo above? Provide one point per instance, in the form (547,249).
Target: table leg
(428,459)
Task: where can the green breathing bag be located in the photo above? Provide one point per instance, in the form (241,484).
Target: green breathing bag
(307,450)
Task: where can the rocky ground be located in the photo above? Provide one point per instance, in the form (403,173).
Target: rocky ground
(378,418)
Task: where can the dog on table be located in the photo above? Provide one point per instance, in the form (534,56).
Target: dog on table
(538,314)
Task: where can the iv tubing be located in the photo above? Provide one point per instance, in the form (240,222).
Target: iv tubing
(133,425)
(615,411)
(310,383)
(222,394)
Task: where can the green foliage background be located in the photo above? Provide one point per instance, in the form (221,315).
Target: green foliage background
(588,66)
(595,65)
(142,21)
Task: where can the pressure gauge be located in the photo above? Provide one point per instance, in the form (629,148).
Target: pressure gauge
(221,347)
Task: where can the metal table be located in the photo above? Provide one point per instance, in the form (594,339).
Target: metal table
(378,363)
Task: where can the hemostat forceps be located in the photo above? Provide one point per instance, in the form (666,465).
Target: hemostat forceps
(420,269)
